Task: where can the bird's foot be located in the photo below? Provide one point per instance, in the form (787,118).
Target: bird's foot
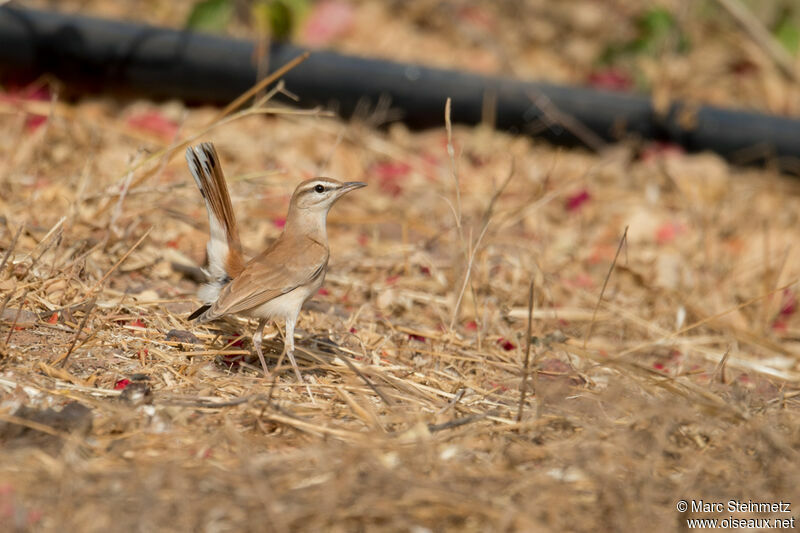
(299,376)
(261,359)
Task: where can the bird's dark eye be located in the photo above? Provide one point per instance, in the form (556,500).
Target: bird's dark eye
(319,188)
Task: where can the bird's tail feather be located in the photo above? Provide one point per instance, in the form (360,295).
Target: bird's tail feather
(225,259)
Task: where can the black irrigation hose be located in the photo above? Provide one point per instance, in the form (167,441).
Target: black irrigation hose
(166,63)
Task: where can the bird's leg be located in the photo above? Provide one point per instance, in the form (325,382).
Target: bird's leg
(289,348)
(257,337)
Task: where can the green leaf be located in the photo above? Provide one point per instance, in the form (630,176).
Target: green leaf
(210,15)
(788,34)
(281,20)
(279,17)
(655,28)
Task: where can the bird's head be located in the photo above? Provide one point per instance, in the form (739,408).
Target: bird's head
(319,194)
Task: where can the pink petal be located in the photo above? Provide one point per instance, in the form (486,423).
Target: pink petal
(154,122)
(661,149)
(575,201)
(668,232)
(329,20)
(34,122)
(391,176)
(788,303)
(506,344)
(477,17)
(611,80)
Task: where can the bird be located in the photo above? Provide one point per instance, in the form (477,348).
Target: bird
(277,282)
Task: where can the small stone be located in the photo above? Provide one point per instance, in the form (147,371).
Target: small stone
(179,335)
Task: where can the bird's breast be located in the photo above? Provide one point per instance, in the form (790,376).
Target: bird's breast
(288,305)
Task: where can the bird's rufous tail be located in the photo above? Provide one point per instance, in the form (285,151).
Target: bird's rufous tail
(224,250)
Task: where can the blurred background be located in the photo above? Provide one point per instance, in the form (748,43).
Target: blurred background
(694,50)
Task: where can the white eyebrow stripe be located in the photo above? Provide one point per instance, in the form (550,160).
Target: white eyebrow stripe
(327,184)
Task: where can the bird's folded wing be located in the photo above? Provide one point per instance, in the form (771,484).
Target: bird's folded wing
(282,268)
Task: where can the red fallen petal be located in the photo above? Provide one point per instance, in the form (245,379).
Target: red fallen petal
(323,292)
(477,17)
(661,149)
(172,244)
(34,516)
(138,323)
(391,280)
(121,384)
(780,325)
(415,337)
(576,200)
(280,223)
(391,176)
(391,169)
(471,326)
(239,342)
(581,281)
(497,386)
(363,239)
(39,94)
(390,187)
(744,378)
(328,20)
(353,330)
(506,344)
(611,80)
(668,231)
(788,303)
(53,318)
(658,366)
(154,122)
(425,270)
(34,122)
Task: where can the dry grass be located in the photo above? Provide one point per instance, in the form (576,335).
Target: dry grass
(680,383)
